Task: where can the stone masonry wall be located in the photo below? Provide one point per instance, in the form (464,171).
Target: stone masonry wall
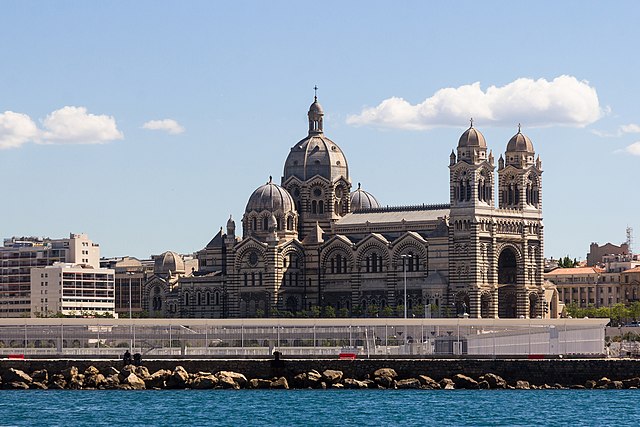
(563,371)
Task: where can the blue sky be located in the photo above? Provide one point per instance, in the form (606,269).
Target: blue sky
(146,124)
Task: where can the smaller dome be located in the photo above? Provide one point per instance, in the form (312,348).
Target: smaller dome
(316,107)
(270,197)
(168,262)
(472,138)
(361,199)
(520,142)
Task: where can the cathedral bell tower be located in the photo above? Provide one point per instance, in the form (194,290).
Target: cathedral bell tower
(520,176)
(471,172)
(520,265)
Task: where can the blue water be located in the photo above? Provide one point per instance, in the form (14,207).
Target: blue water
(319,407)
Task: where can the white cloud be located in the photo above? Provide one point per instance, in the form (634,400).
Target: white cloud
(168,125)
(73,125)
(622,130)
(564,101)
(630,128)
(16,129)
(633,149)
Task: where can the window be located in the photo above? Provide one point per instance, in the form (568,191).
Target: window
(339,264)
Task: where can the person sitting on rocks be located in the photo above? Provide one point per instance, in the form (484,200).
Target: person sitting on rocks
(137,359)
(126,358)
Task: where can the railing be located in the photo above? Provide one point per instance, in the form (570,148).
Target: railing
(301,337)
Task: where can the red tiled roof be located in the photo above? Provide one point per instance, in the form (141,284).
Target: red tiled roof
(575,271)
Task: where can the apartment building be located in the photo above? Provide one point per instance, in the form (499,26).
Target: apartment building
(72,289)
(19,255)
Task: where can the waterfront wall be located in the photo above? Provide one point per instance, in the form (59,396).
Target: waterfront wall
(552,371)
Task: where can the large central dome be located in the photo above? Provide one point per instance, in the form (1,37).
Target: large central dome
(316,154)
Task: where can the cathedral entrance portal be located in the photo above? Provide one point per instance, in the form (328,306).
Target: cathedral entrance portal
(507,280)
(507,267)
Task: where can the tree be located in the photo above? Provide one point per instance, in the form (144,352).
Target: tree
(372,310)
(567,262)
(314,311)
(387,311)
(329,312)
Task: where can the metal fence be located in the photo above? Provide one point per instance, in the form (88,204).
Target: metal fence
(301,337)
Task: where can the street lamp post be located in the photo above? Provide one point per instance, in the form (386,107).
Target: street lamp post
(404,267)
(131,330)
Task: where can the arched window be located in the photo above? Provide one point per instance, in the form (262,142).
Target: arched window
(314,207)
(254,221)
(468,188)
(265,223)
(199,298)
(208,298)
(321,207)
(253,279)
(260,278)
(216,298)
(245,279)
(289,223)
(278,224)
(186,298)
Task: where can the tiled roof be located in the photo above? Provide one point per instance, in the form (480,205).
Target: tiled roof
(392,216)
(575,271)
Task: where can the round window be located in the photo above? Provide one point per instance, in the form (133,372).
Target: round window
(317,192)
(253,259)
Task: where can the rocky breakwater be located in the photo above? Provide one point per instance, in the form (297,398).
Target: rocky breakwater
(132,377)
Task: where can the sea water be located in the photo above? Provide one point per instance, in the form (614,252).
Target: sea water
(319,407)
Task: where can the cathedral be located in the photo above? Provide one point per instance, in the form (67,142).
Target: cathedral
(314,240)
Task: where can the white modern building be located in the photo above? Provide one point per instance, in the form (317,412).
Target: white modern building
(72,290)
(20,254)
